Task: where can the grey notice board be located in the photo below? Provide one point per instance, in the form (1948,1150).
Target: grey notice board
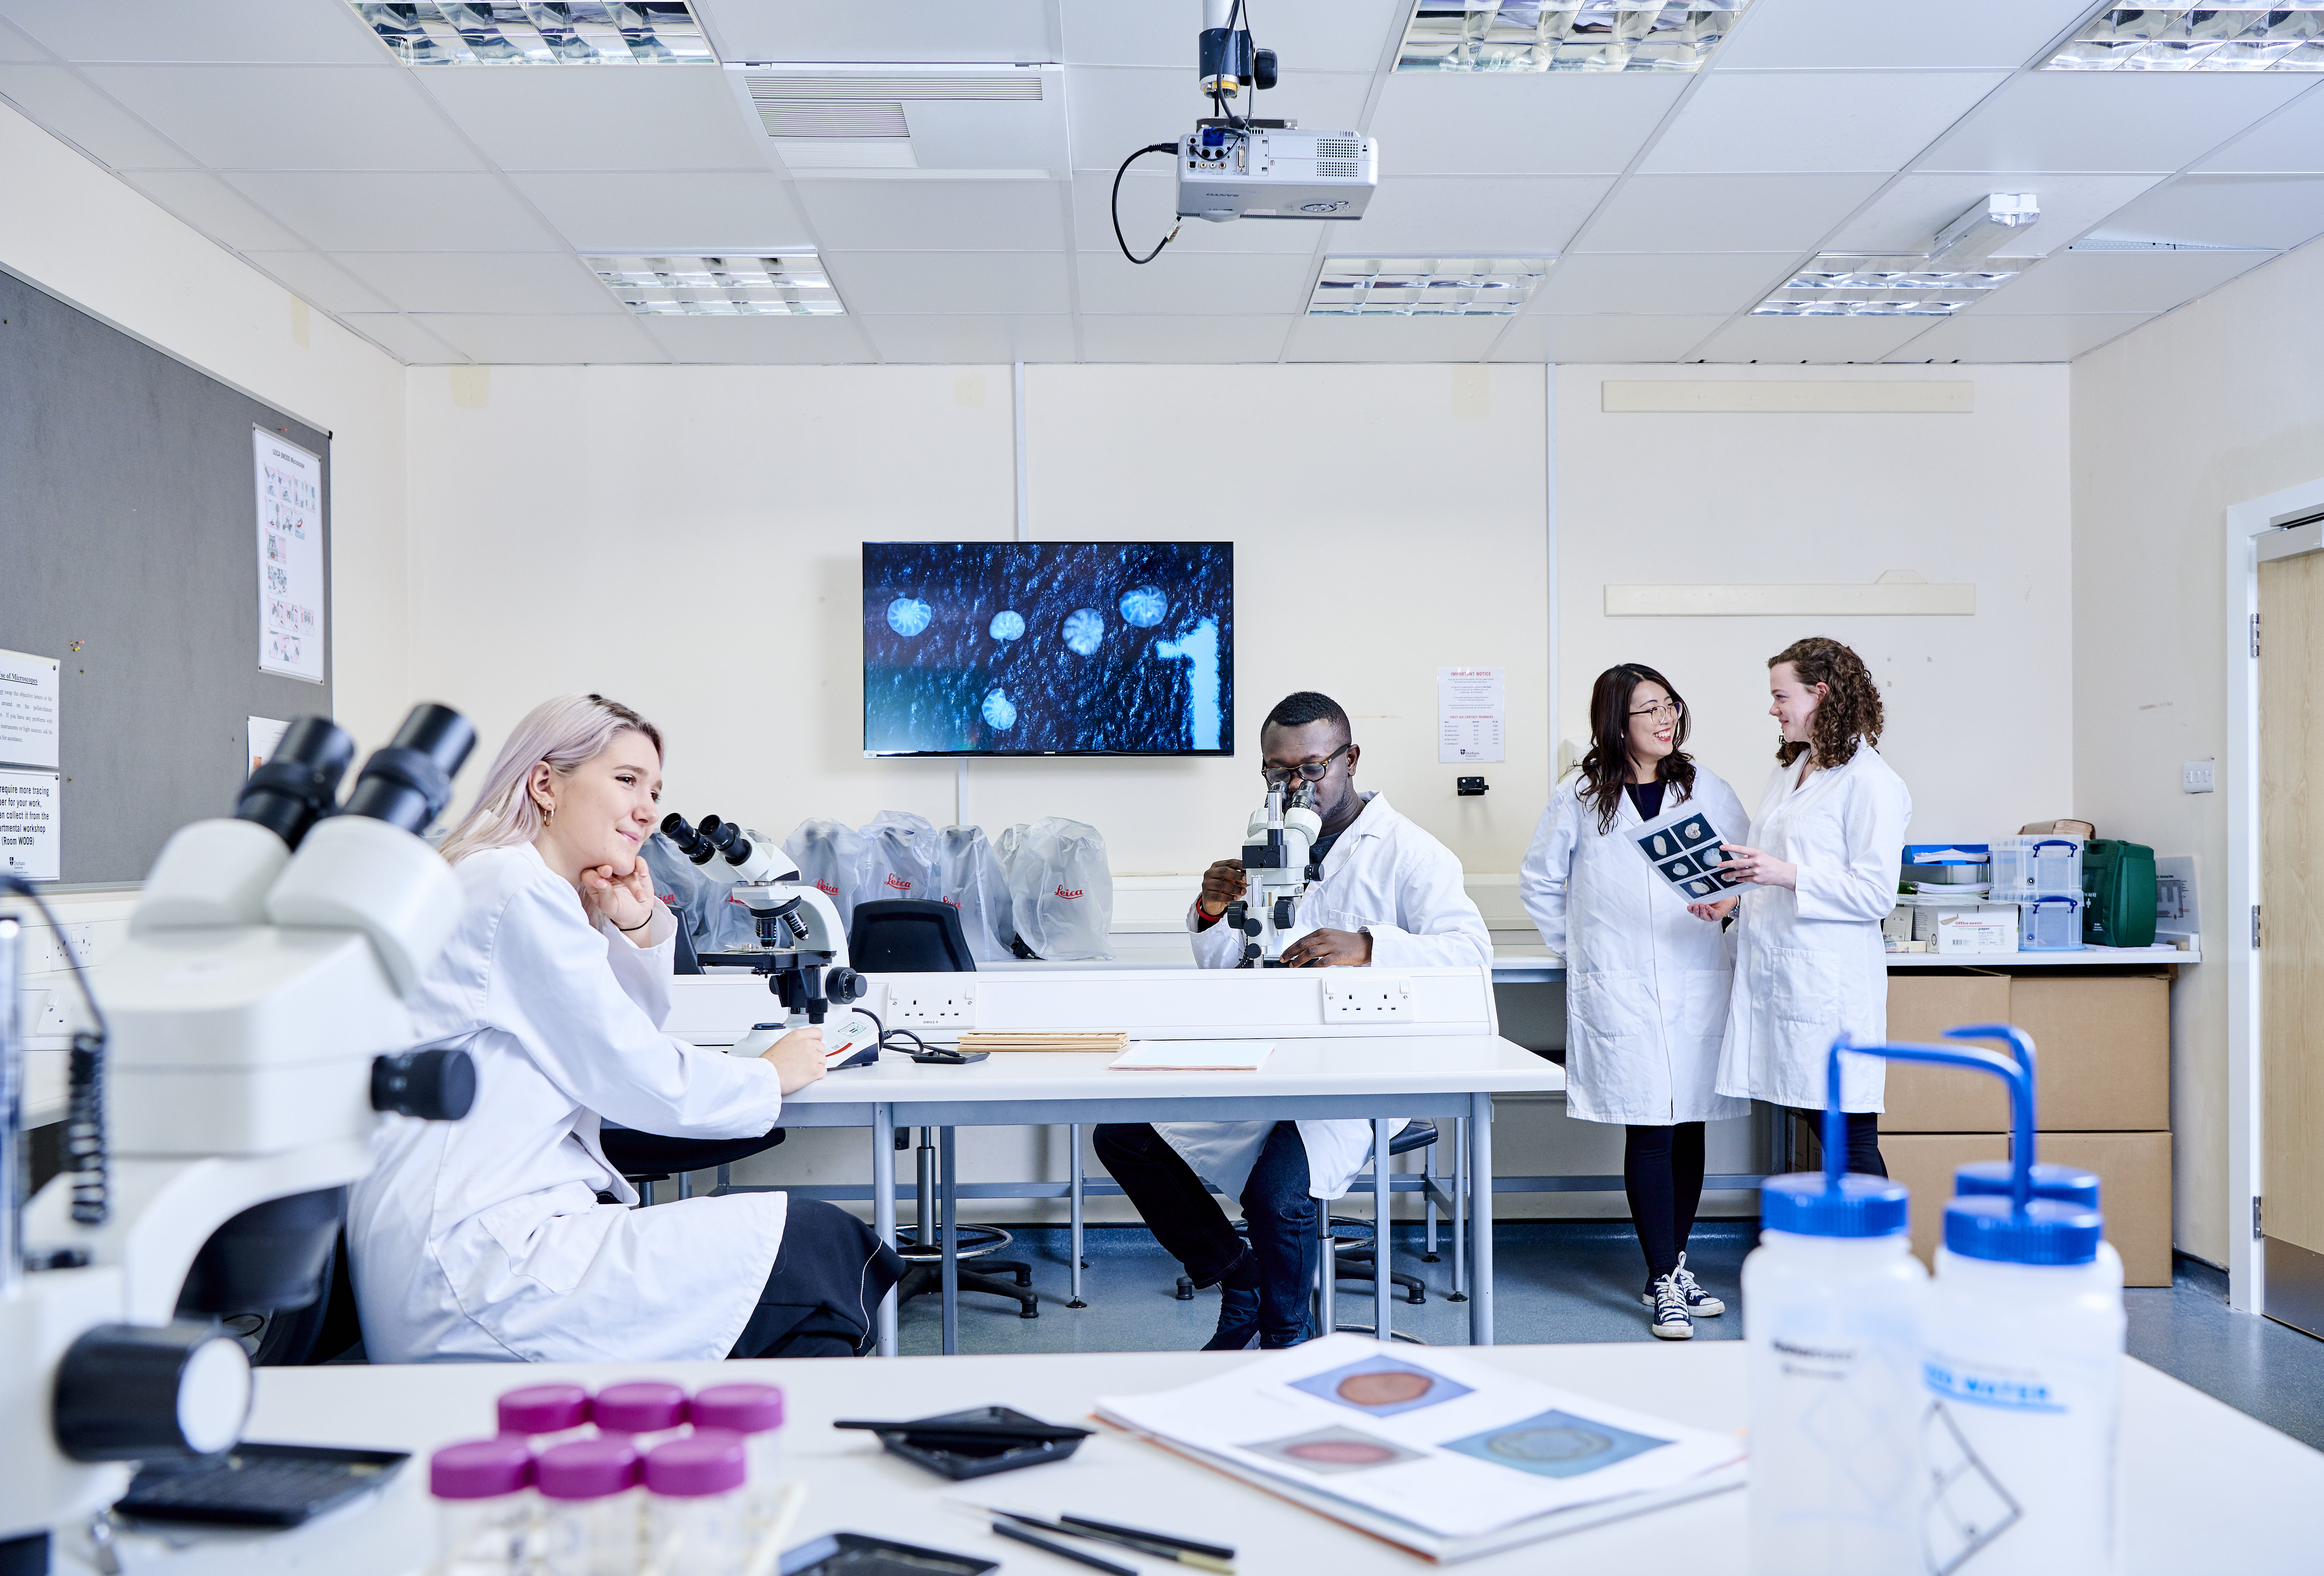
(128,529)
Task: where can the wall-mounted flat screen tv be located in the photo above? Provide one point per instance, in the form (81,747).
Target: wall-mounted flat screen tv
(1048,648)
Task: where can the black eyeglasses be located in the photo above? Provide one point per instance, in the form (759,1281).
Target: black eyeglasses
(1307,770)
(1663,712)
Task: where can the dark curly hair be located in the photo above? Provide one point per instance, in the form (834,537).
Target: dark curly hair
(1607,767)
(1849,712)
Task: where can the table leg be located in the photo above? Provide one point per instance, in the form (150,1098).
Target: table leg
(1327,1273)
(1459,1209)
(1383,1227)
(1073,1143)
(1428,1198)
(1481,1219)
(883,1208)
(948,1233)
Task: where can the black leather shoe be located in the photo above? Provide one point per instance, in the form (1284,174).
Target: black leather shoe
(1238,1307)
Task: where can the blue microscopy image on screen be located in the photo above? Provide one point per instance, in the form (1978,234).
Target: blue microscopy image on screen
(1048,648)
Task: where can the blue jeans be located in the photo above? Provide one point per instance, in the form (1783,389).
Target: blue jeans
(1192,1228)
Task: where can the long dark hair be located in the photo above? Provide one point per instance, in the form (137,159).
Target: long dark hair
(1849,710)
(1607,767)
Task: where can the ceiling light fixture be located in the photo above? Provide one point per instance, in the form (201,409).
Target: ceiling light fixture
(1424,286)
(540,32)
(1953,274)
(790,284)
(1566,35)
(2283,37)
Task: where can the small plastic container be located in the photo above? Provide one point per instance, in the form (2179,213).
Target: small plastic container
(696,1520)
(649,1411)
(2050,925)
(485,1507)
(756,1413)
(2026,867)
(592,1520)
(546,1415)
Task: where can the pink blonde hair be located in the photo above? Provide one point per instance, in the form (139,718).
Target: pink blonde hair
(562,732)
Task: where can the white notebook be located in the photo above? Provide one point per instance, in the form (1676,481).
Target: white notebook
(1193,1056)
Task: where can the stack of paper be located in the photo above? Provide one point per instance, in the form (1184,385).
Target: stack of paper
(1045,1039)
(1193,1056)
(1444,1455)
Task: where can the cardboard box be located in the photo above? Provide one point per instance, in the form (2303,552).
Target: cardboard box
(2134,1171)
(2104,1048)
(1943,1100)
(1925,1163)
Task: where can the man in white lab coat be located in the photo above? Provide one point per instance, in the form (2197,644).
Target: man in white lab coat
(1387,893)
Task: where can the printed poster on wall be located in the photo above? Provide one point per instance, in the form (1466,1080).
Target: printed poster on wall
(28,709)
(289,559)
(1471,709)
(29,843)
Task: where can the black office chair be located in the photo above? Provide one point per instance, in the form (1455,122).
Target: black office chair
(909,936)
(645,1159)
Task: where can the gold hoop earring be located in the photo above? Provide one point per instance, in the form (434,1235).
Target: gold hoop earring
(547,812)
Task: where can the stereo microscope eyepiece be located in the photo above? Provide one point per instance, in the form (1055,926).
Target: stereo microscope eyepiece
(408,783)
(727,838)
(299,783)
(689,843)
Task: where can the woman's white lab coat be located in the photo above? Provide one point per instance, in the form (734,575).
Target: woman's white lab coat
(1646,982)
(484,1237)
(1384,876)
(1809,964)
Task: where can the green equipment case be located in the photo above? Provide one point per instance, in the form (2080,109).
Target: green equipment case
(2118,893)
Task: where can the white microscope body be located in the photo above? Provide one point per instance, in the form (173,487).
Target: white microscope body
(802,947)
(257,1024)
(1278,869)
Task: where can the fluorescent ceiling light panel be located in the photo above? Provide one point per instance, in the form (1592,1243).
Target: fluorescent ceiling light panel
(1954,272)
(540,32)
(1566,35)
(2287,37)
(1425,287)
(791,284)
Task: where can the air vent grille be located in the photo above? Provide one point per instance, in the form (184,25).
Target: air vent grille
(826,87)
(1338,148)
(1338,168)
(784,118)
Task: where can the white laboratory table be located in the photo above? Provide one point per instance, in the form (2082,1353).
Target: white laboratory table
(2207,1488)
(1375,1079)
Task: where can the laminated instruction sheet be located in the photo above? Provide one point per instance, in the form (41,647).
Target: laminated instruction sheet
(1684,846)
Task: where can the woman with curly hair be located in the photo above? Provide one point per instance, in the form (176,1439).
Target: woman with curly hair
(1821,873)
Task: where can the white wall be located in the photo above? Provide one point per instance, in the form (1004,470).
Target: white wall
(80,234)
(2222,400)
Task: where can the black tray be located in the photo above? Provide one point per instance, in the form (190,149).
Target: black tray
(257,1485)
(958,1459)
(856,1553)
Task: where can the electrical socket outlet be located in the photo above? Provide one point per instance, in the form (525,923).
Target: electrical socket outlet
(2195,777)
(950,1006)
(45,1012)
(1359,993)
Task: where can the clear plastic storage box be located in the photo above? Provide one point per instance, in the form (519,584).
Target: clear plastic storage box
(2026,867)
(2051,924)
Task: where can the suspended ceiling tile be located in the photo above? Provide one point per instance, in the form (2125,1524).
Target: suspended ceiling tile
(761,341)
(895,30)
(1553,123)
(365,211)
(1195,285)
(659,118)
(1198,340)
(1724,213)
(321,281)
(1605,337)
(292,117)
(1664,282)
(402,338)
(2096,121)
(213,208)
(549,341)
(956,216)
(1306,35)
(1404,339)
(1503,215)
(908,284)
(1975,337)
(480,281)
(308,32)
(1115,110)
(1992,35)
(965,340)
(1766,123)
(2115,281)
(2291,141)
(1150,203)
(1906,216)
(2274,211)
(649,214)
(15,46)
(62,105)
(1822,340)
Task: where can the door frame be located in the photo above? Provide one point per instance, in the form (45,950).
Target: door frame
(2255,534)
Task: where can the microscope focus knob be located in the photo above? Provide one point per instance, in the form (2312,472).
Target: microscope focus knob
(1283,914)
(845,985)
(139,1393)
(436,1086)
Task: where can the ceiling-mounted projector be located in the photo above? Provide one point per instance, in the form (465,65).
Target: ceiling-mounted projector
(1234,167)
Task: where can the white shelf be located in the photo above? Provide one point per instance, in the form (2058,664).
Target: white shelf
(2088,957)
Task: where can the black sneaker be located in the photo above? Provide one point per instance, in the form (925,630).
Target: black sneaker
(1699,1304)
(1670,1320)
(1238,1306)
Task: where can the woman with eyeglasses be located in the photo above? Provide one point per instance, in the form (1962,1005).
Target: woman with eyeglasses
(1646,971)
(1820,862)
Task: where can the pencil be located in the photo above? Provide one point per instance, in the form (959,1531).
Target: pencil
(1167,1540)
(1004,1529)
(1142,1545)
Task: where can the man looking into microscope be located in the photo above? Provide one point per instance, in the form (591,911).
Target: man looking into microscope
(1386,894)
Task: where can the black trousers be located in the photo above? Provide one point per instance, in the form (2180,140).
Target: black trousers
(1863,1139)
(1662,1172)
(829,1275)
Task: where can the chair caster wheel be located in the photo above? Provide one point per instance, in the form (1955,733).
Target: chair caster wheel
(1030,1311)
(1430,1258)
(1077,1302)
(1455,1297)
(1186,1291)
(1414,1300)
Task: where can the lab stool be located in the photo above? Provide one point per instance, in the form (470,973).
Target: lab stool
(922,1251)
(645,1159)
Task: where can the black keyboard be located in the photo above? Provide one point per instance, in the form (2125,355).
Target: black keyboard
(257,1485)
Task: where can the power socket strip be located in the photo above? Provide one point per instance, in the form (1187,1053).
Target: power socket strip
(1362,995)
(944,1007)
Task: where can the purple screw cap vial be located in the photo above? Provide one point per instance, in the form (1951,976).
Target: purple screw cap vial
(586,1468)
(741,1408)
(481,1468)
(639,1406)
(710,1462)
(544,1409)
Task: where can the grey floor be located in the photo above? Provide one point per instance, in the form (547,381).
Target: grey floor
(1579,1281)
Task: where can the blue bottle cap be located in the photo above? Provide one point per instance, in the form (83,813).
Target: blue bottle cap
(2065,1185)
(1806,1205)
(1987,1228)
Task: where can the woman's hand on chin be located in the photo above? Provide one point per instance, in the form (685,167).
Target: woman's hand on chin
(628,901)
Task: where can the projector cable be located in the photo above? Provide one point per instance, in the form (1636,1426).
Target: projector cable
(1115,205)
